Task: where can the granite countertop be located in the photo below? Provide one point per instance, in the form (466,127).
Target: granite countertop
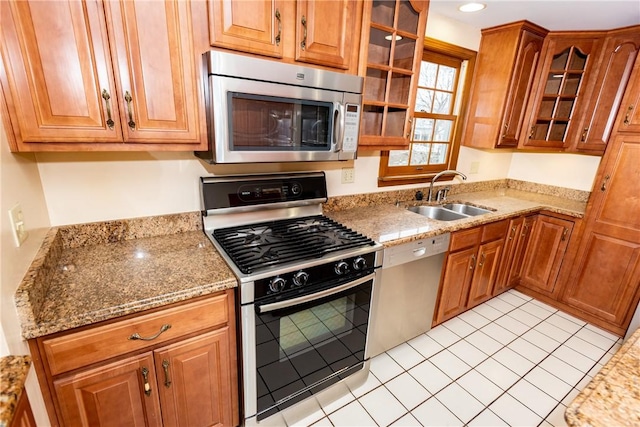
(612,398)
(393,225)
(13,374)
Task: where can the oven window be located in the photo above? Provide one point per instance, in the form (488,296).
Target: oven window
(279,124)
(299,346)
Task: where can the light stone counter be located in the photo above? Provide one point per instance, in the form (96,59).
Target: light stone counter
(13,374)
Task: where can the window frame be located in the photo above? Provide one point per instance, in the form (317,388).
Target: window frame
(412,174)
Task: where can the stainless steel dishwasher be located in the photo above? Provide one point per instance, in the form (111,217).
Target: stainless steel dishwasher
(407,293)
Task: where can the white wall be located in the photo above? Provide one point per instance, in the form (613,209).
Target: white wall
(571,170)
(19,183)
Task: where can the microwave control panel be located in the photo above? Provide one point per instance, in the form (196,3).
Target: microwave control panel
(351,124)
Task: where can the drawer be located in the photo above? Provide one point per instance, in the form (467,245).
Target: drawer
(75,350)
(494,231)
(465,239)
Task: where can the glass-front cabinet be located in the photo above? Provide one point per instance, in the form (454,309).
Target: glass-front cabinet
(393,38)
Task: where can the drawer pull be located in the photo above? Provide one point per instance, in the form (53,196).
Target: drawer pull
(165,366)
(145,378)
(163,328)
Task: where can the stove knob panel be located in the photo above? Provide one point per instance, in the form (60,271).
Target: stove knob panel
(359,263)
(341,268)
(277,284)
(296,189)
(301,278)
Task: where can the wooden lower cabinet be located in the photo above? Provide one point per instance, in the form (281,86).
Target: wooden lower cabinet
(515,245)
(176,377)
(23,415)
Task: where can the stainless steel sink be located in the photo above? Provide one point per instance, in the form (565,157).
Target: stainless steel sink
(465,209)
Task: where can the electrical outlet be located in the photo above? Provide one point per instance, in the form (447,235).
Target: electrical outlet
(475,166)
(17,225)
(348,175)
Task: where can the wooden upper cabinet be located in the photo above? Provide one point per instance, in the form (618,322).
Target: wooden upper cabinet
(253,26)
(57,79)
(503,79)
(619,54)
(629,114)
(565,81)
(390,56)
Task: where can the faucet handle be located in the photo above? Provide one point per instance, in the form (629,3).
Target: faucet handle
(441,195)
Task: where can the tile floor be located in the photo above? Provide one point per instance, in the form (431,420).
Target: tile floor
(510,361)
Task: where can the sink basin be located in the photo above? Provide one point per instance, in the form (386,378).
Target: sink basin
(465,209)
(437,212)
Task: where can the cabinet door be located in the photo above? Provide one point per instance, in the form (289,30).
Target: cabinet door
(508,254)
(197,387)
(454,289)
(606,274)
(118,394)
(155,67)
(620,52)
(253,26)
(549,240)
(563,88)
(630,109)
(486,272)
(322,35)
(515,270)
(58,81)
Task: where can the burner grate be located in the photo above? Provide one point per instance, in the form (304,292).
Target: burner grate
(259,246)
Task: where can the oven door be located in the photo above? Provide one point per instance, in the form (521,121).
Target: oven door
(305,344)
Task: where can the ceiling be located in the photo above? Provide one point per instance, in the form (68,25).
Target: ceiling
(553,15)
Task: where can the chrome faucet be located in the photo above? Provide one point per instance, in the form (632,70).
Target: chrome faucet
(438,175)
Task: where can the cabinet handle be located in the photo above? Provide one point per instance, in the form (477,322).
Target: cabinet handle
(278,17)
(513,232)
(603,187)
(533,129)
(107,97)
(564,234)
(137,336)
(473,262)
(145,378)
(165,366)
(525,230)
(128,99)
(410,122)
(626,117)
(303,43)
(482,259)
(583,138)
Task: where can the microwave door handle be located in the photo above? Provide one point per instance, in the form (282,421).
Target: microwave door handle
(314,296)
(338,126)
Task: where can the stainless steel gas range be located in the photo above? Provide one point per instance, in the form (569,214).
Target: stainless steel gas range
(306,285)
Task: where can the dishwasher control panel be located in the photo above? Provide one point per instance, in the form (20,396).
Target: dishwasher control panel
(418,249)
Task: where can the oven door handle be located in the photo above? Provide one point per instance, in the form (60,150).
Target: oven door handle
(314,296)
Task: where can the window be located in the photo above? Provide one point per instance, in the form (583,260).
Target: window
(441,97)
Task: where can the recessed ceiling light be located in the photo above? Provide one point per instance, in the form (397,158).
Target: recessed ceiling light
(389,37)
(472,7)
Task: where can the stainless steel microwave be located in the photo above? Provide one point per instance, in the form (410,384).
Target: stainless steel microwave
(266,111)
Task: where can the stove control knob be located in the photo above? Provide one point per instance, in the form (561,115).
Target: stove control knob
(341,268)
(300,278)
(296,189)
(359,263)
(277,284)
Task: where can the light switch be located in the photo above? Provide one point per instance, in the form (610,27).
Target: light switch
(17,225)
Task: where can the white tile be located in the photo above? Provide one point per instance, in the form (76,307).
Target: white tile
(519,294)
(514,412)
(459,327)
(352,415)
(594,371)
(484,342)
(450,364)
(552,331)
(467,353)
(563,323)
(548,383)
(487,418)
(570,396)
(556,417)
(513,361)
(533,398)
(406,356)
(499,333)
(383,407)
(474,319)
(523,317)
(334,397)
(536,310)
(361,388)
(434,413)
(595,338)
(431,378)
(512,325)
(408,390)
(583,383)
(480,387)
(544,342)
(425,345)
(512,299)
(585,348)
(462,404)
(487,311)
(572,318)
(605,358)
(499,374)
(602,332)
(443,336)
(562,370)
(384,367)
(527,350)
(575,359)
(500,305)
(303,413)
(406,421)
(324,422)
(544,306)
